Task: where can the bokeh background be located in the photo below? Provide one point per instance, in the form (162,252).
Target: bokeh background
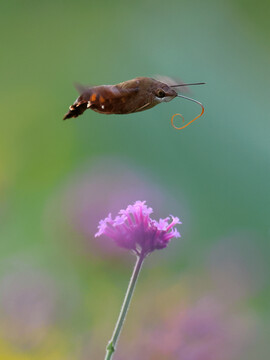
(207,295)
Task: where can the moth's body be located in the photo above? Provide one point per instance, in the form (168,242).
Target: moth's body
(131,96)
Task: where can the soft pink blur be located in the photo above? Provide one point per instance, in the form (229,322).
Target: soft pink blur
(105,186)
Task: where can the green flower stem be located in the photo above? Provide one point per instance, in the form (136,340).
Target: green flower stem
(117,330)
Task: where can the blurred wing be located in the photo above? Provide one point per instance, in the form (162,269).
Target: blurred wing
(81,88)
(116,91)
(172,82)
(94,93)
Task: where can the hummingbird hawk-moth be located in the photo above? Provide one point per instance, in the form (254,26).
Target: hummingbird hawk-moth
(128,97)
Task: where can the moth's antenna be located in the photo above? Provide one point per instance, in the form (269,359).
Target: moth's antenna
(197,117)
(199,83)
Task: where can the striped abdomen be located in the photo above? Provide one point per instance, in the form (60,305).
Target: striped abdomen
(106,99)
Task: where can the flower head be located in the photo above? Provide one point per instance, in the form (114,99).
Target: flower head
(134,229)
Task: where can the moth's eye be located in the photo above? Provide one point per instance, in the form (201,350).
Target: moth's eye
(160,93)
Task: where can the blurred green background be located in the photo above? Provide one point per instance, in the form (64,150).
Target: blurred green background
(60,290)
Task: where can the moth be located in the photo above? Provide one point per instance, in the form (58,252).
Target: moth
(139,94)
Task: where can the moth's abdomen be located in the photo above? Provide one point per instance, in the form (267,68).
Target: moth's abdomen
(100,103)
(75,110)
(111,99)
(107,99)
(108,105)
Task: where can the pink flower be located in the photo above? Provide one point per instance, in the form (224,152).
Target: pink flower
(134,229)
